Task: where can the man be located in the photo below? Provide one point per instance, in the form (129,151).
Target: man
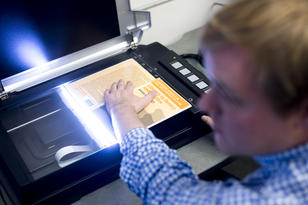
(256,58)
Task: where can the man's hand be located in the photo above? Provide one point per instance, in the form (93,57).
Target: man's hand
(123,106)
(208,120)
(122,95)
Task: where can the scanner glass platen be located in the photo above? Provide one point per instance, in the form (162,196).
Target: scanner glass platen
(70,122)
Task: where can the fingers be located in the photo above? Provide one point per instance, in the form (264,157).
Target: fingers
(113,87)
(145,100)
(208,120)
(106,92)
(120,84)
(117,89)
(121,92)
(107,98)
(129,86)
(152,94)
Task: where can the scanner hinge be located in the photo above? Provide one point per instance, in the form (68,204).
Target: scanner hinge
(130,39)
(4,96)
(134,32)
(133,46)
(133,37)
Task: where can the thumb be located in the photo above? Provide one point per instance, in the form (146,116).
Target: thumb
(143,102)
(208,120)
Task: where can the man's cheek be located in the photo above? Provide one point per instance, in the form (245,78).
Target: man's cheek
(231,127)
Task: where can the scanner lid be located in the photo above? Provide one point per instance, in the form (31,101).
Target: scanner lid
(74,34)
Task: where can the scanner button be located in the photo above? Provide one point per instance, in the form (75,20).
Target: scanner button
(176,65)
(201,85)
(184,71)
(193,78)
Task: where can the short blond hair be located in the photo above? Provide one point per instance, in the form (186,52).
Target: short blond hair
(275,34)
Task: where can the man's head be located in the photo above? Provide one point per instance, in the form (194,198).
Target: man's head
(256,55)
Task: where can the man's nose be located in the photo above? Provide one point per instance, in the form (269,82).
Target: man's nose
(208,103)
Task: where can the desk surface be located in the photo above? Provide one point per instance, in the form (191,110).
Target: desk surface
(201,154)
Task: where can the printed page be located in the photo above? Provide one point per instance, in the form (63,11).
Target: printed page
(166,104)
(90,91)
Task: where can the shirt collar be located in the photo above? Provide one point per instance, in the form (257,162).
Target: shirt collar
(296,153)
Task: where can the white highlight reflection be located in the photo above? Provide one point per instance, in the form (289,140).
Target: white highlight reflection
(94,126)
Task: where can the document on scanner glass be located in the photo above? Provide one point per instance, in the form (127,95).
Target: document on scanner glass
(167,103)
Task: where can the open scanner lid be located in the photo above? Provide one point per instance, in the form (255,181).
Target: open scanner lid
(131,27)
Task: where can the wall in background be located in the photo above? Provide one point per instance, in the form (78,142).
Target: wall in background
(173,18)
(145,4)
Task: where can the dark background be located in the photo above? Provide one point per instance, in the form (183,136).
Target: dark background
(58,27)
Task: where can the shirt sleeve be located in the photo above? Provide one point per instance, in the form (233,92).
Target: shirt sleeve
(158,176)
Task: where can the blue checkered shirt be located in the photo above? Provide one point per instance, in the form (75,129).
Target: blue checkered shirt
(158,176)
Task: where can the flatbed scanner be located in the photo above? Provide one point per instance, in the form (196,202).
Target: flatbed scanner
(48,152)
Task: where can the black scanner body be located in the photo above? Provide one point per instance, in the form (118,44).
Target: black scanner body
(29,172)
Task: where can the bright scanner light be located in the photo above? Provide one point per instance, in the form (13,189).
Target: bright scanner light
(30,53)
(94,126)
(21,43)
